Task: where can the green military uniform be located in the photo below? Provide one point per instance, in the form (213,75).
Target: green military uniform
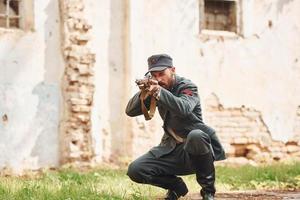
(180,109)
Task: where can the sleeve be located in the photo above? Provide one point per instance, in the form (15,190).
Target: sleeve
(133,107)
(184,103)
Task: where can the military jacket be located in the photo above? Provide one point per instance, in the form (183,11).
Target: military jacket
(180,110)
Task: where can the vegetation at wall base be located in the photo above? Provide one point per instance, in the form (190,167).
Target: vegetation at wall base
(113,184)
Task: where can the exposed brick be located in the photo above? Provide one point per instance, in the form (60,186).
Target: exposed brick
(78,84)
(244,133)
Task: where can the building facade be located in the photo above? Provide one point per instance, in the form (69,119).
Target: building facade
(67,70)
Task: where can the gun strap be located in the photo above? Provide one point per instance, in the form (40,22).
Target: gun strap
(150,114)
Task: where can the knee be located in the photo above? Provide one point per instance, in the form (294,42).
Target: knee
(134,172)
(197,142)
(197,136)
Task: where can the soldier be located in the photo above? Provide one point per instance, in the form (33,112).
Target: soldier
(188,146)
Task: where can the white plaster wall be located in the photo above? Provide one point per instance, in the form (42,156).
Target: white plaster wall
(31,68)
(98,15)
(260,70)
(110,135)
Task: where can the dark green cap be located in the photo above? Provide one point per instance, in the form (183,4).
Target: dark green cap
(159,62)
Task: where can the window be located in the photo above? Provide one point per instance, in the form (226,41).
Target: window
(9,14)
(16,14)
(220,15)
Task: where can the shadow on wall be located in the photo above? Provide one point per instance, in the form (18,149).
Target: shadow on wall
(46,119)
(49,92)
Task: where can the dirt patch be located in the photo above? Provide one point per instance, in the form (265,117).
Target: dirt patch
(259,195)
(250,195)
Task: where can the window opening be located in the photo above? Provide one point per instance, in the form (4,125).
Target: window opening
(9,13)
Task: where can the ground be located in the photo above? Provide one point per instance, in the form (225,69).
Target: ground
(251,195)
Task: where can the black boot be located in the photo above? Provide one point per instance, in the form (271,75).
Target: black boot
(171,195)
(177,190)
(205,173)
(206,196)
(175,186)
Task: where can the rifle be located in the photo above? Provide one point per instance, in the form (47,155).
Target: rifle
(144,85)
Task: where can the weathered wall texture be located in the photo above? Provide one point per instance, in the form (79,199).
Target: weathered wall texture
(98,14)
(259,70)
(249,84)
(244,134)
(78,87)
(30,94)
(112,132)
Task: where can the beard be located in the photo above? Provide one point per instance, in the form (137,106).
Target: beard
(168,83)
(163,85)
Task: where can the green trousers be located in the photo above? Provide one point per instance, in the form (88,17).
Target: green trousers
(162,171)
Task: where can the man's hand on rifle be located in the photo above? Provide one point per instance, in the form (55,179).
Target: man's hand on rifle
(151,86)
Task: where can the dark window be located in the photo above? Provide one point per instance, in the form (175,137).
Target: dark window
(220,15)
(9,13)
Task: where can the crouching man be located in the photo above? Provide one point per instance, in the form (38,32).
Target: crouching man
(188,146)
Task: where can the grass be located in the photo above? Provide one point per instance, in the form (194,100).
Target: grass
(277,176)
(69,184)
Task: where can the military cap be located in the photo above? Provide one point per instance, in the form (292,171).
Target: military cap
(159,62)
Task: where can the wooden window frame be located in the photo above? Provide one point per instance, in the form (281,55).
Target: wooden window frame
(24,16)
(238,10)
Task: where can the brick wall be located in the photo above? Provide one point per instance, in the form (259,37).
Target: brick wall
(78,87)
(244,133)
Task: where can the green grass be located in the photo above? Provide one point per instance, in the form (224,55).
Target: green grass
(110,184)
(277,176)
